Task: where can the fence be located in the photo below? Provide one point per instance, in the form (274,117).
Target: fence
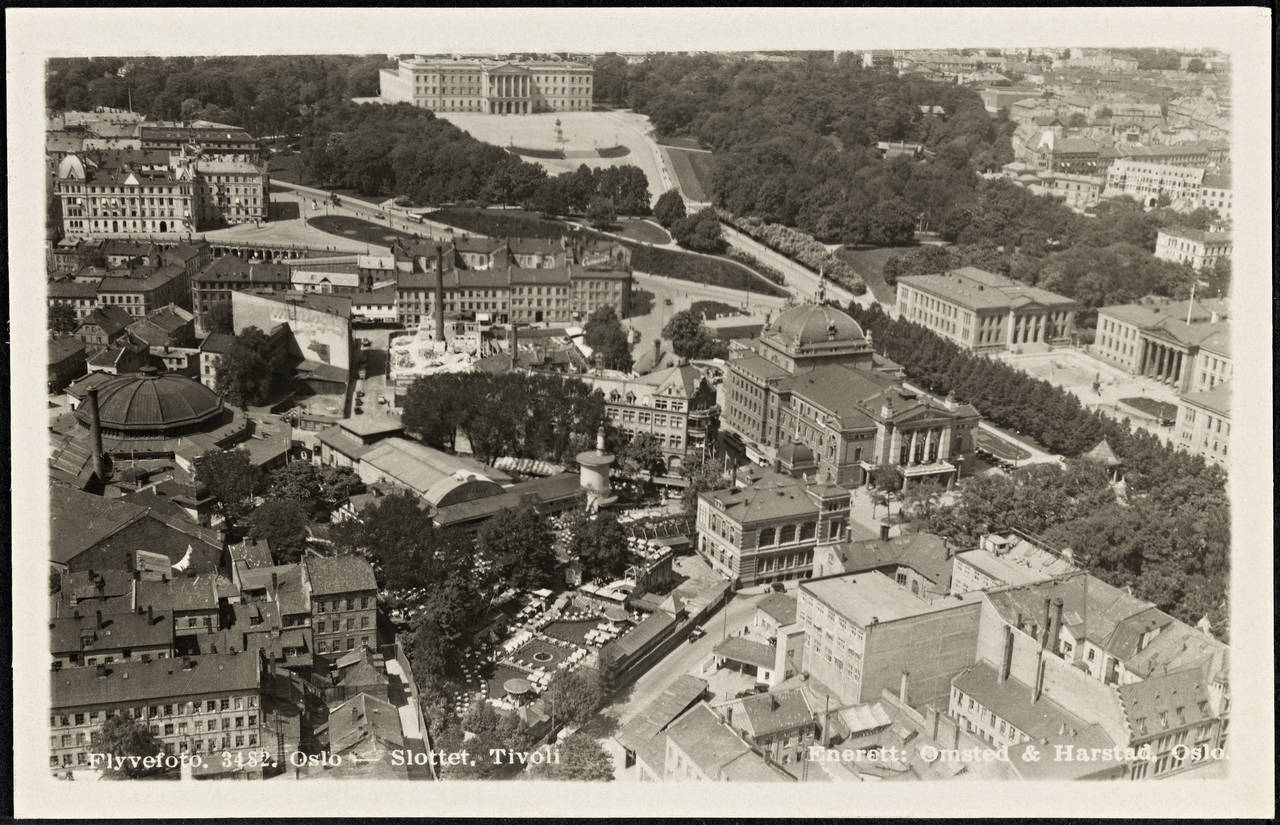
(411,686)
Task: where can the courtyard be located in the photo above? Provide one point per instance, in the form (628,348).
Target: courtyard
(584,135)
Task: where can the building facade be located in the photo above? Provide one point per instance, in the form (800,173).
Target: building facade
(865,634)
(207,705)
(489,86)
(1193,246)
(230,192)
(767,531)
(656,404)
(120,197)
(1148,181)
(1203,426)
(982,311)
(1184,344)
(344,604)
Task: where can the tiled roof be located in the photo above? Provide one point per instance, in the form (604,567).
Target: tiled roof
(977,289)
(768,713)
(1166,702)
(924,553)
(339,574)
(80,520)
(746,651)
(235,269)
(1011,700)
(218,342)
(705,740)
(69,633)
(362,716)
(780,497)
(137,681)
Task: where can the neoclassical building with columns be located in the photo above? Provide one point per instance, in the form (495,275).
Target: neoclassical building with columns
(1183,344)
(982,311)
(497,87)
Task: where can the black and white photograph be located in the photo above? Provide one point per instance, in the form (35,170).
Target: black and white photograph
(586,398)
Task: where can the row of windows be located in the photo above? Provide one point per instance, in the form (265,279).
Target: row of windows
(337,625)
(336,605)
(336,646)
(158,711)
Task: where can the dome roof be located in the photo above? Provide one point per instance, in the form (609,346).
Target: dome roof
(149,400)
(812,324)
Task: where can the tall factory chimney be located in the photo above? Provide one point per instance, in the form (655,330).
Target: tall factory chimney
(95,435)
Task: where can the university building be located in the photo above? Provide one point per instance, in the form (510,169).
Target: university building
(982,311)
(1182,343)
(488,86)
(1203,426)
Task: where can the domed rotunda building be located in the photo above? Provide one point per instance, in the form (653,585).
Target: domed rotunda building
(149,414)
(813,335)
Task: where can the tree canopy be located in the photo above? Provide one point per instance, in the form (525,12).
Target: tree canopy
(510,414)
(581,758)
(124,737)
(282,523)
(231,479)
(604,333)
(599,543)
(669,208)
(691,339)
(699,232)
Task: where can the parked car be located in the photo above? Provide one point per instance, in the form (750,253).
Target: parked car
(696,634)
(359,411)
(359,393)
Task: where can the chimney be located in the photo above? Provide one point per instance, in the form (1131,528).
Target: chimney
(1039,681)
(902,687)
(657,352)
(884,532)
(102,671)
(1006,654)
(151,617)
(95,434)
(275,584)
(1055,628)
(99,618)
(1044,625)
(438,315)
(931,722)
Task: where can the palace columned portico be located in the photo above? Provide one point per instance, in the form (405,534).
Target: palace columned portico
(510,94)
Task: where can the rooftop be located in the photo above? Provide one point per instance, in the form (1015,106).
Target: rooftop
(339,574)
(925,553)
(138,681)
(767,713)
(705,740)
(77,633)
(978,289)
(746,651)
(872,597)
(780,607)
(773,498)
(1217,400)
(1042,719)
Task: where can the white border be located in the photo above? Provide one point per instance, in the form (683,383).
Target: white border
(35,34)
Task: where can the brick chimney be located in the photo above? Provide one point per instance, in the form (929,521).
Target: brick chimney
(1044,625)
(1006,654)
(1055,627)
(438,307)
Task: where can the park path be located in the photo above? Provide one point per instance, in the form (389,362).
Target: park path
(801,280)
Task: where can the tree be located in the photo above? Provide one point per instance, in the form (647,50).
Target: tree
(282,523)
(396,531)
(1077,120)
(599,543)
(921,498)
(231,479)
(62,319)
(319,489)
(690,339)
(601,212)
(1195,64)
(248,371)
(218,318)
(581,758)
(572,697)
(702,474)
(642,454)
(520,546)
(887,477)
(603,332)
(669,208)
(131,741)
(699,232)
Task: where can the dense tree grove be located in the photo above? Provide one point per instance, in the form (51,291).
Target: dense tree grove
(669,208)
(264,94)
(1169,539)
(795,143)
(699,232)
(512,414)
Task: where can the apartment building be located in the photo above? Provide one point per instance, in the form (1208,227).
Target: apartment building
(1197,247)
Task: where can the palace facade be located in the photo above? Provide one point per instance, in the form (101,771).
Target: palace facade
(489,86)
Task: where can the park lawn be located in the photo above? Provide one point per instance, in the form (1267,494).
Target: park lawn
(869,261)
(693,172)
(678,142)
(362,230)
(500,223)
(638,229)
